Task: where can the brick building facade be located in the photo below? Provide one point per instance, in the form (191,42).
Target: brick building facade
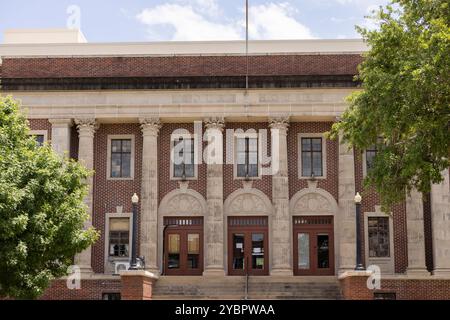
(116,108)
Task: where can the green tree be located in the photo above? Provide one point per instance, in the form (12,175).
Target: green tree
(403,106)
(42,213)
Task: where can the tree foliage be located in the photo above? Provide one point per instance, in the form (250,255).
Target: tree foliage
(404,104)
(42,213)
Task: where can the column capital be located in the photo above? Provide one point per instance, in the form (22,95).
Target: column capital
(86,126)
(217,123)
(67,122)
(279,122)
(150,126)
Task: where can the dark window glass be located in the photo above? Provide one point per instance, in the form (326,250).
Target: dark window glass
(120,158)
(312,157)
(111,296)
(184,158)
(247,157)
(384,296)
(39,139)
(371,152)
(378,232)
(119,238)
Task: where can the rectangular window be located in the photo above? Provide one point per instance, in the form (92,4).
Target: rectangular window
(378,234)
(40,138)
(119,237)
(120,158)
(184,154)
(371,152)
(111,296)
(311,149)
(247,157)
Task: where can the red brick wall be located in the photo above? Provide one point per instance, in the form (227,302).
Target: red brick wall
(331,182)
(165,184)
(41,124)
(229,183)
(108,194)
(355,288)
(179,66)
(369,200)
(90,290)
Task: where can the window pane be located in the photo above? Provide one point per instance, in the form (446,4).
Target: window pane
(240,144)
(306,164)
(257,251)
(306,144)
(253,158)
(126,165)
(253,144)
(126,145)
(238,251)
(370,155)
(39,139)
(193,243)
(241,158)
(115,165)
(317,163)
(189,170)
(303,250)
(174,243)
(178,170)
(252,170)
(378,232)
(119,224)
(317,144)
(116,145)
(323,251)
(241,168)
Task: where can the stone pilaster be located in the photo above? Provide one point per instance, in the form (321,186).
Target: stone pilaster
(416,234)
(149,193)
(214,238)
(86,129)
(281,224)
(440,217)
(61,135)
(346,220)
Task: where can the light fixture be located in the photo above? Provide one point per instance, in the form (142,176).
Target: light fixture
(358,198)
(135,198)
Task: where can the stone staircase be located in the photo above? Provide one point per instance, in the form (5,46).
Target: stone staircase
(259,288)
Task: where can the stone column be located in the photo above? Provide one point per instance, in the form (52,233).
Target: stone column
(346,222)
(149,194)
(214,238)
(86,130)
(416,234)
(61,135)
(440,217)
(281,224)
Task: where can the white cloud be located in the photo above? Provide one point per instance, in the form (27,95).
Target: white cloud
(191,20)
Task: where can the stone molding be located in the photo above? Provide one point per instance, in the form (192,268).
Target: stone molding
(280,122)
(86,126)
(183,202)
(216,123)
(248,201)
(150,126)
(313,201)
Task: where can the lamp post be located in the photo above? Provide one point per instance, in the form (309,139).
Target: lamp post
(359,265)
(134,202)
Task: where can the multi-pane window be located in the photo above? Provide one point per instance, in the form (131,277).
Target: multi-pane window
(247,157)
(371,152)
(378,234)
(119,237)
(111,296)
(184,164)
(40,138)
(120,158)
(312,165)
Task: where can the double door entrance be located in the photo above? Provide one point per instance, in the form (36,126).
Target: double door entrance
(248,246)
(313,245)
(183,246)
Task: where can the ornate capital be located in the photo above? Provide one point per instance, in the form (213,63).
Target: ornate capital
(279,122)
(150,126)
(217,123)
(86,126)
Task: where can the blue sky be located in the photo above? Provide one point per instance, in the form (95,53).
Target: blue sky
(160,20)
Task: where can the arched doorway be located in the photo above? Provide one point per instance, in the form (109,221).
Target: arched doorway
(314,232)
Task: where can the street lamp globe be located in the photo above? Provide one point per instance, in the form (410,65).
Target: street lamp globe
(358,198)
(135,198)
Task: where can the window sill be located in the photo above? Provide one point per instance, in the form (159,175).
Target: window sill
(120,179)
(309,178)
